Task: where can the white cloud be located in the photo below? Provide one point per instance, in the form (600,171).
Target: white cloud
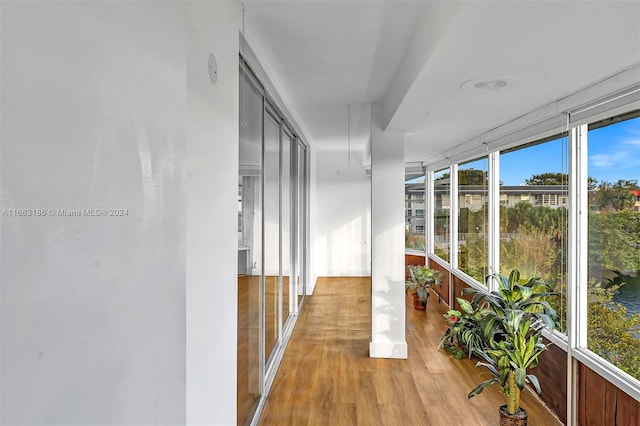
(619,159)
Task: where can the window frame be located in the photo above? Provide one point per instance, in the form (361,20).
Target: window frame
(574,123)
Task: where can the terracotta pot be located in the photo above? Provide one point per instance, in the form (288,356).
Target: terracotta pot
(416,303)
(517,419)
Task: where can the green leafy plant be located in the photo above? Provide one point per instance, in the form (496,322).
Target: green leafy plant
(449,341)
(517,313)
(421,278)
(465,334)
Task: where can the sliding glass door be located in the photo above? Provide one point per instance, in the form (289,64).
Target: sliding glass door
(250,270)
(287,217)
(300,220)
(272,272)
(271,239)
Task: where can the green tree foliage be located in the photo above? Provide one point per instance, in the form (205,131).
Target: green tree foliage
(468,177)
(556,178)
(613,240)
(534,253)
(444,176)
(414,241)
(613,197)
(473,177)
(533,240)
(613,334)
(473,257)
(549,178)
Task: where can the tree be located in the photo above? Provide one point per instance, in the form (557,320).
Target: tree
(613,197)
(557,178)
(613,331)
(473,177)
(612,241)
(549,178)
(466,177)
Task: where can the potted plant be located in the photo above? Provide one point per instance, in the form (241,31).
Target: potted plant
(517,314)
(450,341)
(421,278)
(465,334)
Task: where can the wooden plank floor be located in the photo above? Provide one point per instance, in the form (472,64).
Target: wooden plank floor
(327,378)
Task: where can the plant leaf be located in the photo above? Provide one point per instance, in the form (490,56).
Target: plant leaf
(478,389)
(490,367)
(521,375)
(465,305)
(534,381)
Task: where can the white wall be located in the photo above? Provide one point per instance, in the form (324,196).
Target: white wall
(132,319)
(93,308)
(212,191)
(340,215)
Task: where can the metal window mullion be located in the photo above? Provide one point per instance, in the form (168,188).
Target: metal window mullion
(494,217)
(572,275)
(295,188)
(577,268)
(306,206)
(453,216)
(425,206)
(280,228)
(262,356)
(429,194)
(582,234)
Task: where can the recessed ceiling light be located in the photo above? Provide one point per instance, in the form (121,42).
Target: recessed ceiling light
(489,84)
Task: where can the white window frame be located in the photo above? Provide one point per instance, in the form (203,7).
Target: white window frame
(607,103)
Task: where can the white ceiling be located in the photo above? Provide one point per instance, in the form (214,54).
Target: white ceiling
(328,57)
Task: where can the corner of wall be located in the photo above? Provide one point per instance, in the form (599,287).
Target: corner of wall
(211,186)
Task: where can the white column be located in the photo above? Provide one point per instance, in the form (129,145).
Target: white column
(387,235)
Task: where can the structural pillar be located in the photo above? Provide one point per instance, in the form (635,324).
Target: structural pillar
(387,249)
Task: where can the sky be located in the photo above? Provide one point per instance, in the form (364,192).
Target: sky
(613,154)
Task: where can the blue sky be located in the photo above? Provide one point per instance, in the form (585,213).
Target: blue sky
(614,153)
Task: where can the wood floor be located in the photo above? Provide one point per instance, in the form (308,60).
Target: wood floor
(327,378)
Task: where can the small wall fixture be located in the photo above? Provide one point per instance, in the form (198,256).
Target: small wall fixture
(213,69)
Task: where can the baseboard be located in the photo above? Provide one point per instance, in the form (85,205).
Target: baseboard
(397,350)
(344,273)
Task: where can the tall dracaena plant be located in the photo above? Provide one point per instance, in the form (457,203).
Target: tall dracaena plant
(518,312)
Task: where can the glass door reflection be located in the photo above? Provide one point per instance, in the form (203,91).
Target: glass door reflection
(271,233)
(249,372)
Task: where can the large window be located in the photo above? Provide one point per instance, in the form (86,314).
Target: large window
(414,213)
(534,213)
(473,198)
(614,242)
(574,224)
(441,212)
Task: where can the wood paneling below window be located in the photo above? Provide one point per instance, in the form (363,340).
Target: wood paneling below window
(601,403)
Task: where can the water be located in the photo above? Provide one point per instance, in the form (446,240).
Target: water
(628,295)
